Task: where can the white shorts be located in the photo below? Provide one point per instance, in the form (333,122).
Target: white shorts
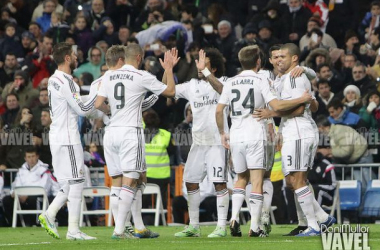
(298,155)
(248,155)
(206,160)
(124,150)
(68,162)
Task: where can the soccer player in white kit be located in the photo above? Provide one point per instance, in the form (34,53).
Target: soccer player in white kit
(207,156)
(65,106)
(125,89)
(300,141)
(115,59)
(243,93)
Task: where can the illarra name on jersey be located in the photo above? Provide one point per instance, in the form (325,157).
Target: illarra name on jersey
(121,77)
(206,101)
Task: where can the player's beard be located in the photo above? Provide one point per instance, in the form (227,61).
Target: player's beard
(73,65)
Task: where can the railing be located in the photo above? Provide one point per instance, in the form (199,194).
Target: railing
(363,171)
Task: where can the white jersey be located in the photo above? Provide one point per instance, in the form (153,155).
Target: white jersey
(39,176)
(203,101)
(244,93)
(97,114)
(302,126)
(125,89)
(66,105)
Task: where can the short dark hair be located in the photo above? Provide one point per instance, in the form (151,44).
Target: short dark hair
(46,110)
(248,57)
(317,31)
(375,3)
(320,66)
(216,61)
(14,94)
(293,49)
(191,9)
(61,50)
(371,93)
(151,119)
(34,23)
(31,150)
(10,54)
(335,103)
(322,120)
(322,81)
(43,89)
(273,48)
(133,40)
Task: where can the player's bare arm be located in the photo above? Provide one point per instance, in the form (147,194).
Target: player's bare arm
(220,123)
(267,113)
(314,105)
(284,105)
(100,105)
(201,65)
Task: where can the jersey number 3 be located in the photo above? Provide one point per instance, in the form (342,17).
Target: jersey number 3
(119,94)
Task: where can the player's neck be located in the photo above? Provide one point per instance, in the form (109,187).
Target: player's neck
(65,69)
(291,68)
(132,63)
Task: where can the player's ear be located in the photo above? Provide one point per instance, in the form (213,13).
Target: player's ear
(213,70)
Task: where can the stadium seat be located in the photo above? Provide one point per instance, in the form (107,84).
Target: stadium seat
(94,192)
(28,191)
(153,189)
(371,207)
(350,194)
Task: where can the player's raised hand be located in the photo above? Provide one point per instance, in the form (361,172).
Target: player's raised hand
(297,72)
(174,54)
(307,97)
(167,64)
(201,63)
(261,114)
(225,140)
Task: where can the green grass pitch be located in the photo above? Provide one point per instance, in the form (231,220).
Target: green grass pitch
(36,238)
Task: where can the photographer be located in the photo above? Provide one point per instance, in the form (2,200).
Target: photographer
(155,13)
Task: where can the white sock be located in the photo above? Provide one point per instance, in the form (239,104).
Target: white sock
(114,201)
(222,201)
(238,197)
(74,205)
(256,201)
(125,203)
(321,215)
(136,208)
(305,198)
(58,202)
(302,221)
(129,217)
(193,202)
(267,194)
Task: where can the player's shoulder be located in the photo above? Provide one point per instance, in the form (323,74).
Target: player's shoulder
(223,79)
(266,73)
(97,81)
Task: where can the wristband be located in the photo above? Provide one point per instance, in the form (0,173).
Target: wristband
(206,72)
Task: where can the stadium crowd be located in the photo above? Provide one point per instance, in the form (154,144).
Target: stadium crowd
(339,40)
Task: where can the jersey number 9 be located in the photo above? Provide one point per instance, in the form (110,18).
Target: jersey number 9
(119,94)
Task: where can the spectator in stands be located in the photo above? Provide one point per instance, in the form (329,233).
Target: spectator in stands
(20,11)
(32,173)
(370,20)
(225,43)
(322,178)
(265,39)
(42,105)
(315,23)
(95,60)
(8,70)
(186,68)
(324,97)
(95,15)
(40,64)
(249,38)
(271,12)
(103,69)
(58,29)
(28,43)
(368,112)
(317,56)
(11,42)
(361,79)
(45,20)
(314,45)
(318,8)
(339,114)
(13,107)
(41,138)
(123,35)
(6,16)
(35,29)
(159,147)
(82,34)
(122,12)
(38,11)
(97,160)
(106,32)
(103,45)
(294,21)
(351,43)
(154,13)
(22,87)
(325,71)
(349,63)
(352,100)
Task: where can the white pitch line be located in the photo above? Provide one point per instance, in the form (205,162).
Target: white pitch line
(24,244)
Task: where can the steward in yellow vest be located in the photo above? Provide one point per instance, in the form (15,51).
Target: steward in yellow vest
(156,155)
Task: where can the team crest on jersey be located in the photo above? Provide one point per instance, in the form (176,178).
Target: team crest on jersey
(76,96)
